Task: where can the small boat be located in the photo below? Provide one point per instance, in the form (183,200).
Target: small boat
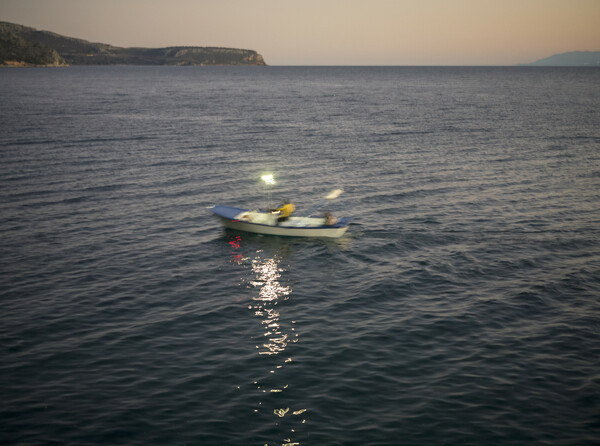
(266,222)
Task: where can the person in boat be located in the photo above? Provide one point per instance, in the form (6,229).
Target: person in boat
(285,211)
(330,219)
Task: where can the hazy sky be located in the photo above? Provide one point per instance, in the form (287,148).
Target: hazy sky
(331,32)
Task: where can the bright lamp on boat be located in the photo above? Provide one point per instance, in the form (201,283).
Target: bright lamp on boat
(268,179)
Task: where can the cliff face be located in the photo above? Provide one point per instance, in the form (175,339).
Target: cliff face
(17,50)
(23,46)
(212,56)
(165,56)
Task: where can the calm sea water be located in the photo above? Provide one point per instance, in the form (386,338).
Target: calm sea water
(462,306)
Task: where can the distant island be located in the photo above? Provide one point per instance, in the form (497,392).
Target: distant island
(21,46)
(570,59)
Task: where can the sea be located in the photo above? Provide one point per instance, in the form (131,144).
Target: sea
(462,306)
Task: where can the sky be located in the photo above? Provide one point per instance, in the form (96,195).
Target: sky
(331,32)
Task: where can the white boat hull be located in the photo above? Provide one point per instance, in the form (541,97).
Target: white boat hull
(265,223)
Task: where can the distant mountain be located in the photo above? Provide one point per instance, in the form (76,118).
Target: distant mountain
(571,59)
(24,46)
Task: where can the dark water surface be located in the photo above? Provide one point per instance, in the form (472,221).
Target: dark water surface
(462,306)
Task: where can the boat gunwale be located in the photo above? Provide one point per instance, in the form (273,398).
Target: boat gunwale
(342,222)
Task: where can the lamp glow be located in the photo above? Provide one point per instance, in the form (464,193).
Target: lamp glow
(268,179)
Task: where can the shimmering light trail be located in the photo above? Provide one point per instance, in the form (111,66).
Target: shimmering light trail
(267,272)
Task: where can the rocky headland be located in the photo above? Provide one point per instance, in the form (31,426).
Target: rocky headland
(22,46)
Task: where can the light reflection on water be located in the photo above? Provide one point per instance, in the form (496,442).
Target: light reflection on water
(273,406)
(270,291)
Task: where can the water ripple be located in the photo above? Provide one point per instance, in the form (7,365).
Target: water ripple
(460,308)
